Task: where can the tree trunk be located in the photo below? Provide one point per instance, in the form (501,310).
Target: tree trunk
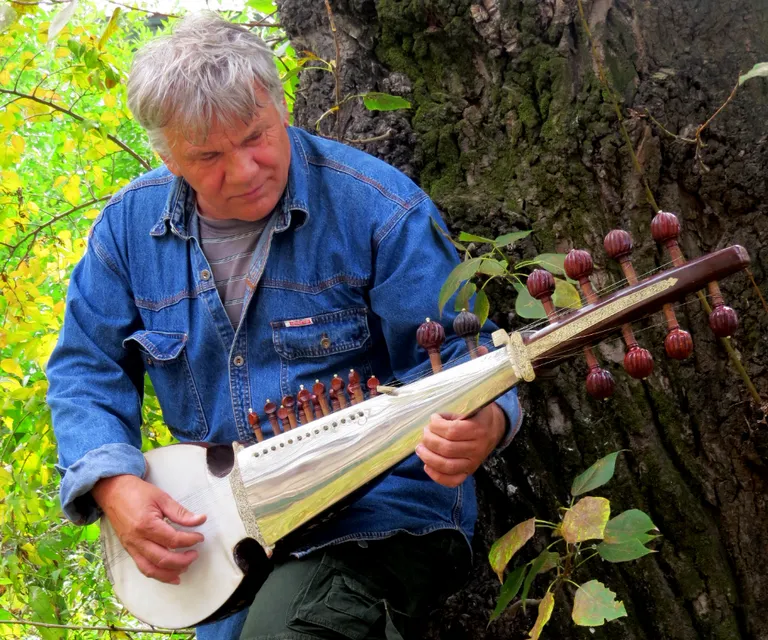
(509,129)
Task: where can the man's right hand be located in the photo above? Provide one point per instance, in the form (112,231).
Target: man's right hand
(136,510)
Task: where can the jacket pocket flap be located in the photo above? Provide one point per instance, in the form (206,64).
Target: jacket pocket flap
(321,335)
(161,345)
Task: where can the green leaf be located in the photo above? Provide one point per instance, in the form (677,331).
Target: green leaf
(376,101)
(628,526)
(60,21)
(586,520)
(458,245)
(526,306)
(510,238)
(537,566)
(596,476)
(760,69)
(509,544)
(546,606)
(5,615)
(566,295)
(509,591)
(461,272)
(594,604)
(467,291)
(552,262)
(471,237)
(492,267)
(262,6)
(623,551)
(482,307)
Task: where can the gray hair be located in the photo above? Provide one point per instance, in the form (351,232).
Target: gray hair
(206,68)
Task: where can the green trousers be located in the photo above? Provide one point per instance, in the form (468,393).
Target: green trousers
(377,590)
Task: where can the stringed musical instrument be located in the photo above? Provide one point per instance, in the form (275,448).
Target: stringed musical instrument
(257,497)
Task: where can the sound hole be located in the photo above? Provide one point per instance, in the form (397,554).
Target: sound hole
(220,459)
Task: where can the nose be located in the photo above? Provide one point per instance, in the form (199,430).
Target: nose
(242,167)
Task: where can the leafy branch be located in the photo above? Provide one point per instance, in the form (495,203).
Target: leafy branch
(623,538)
(51,625)
(19,95)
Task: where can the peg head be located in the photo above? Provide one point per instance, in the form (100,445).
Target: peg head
(723,321)
(578,264)
(318,388)
(430,335)
(304,395)
(638,362)
(354,377)
(665,227)
(466,324)
(618,244)
(541,284)
(372,383)
(270,407)
(600,383)
(678,344)
(288,402)
(253,418)
(337,384)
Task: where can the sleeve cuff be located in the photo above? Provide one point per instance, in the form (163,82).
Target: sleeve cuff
(510,405)
(78,479)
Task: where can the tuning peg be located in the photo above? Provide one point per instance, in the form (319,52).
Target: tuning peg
(270,408)
(638,362)
(305,405)
(318,410)
(355,392)
(319,390)
(372,384)
(253,421)
(283,415)
(430,335)
(467,325)
(665,228)
(290,404)
(334,396)
(337,387)
(578,266)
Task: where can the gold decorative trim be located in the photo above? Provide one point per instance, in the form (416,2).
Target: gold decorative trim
(592,318)
(521,361)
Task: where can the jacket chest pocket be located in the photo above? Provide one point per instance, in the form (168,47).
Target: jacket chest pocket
(319,346)
(165,361)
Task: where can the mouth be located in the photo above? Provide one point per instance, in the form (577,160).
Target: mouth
(250,194)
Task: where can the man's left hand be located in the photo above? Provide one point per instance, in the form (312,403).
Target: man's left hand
(453,449)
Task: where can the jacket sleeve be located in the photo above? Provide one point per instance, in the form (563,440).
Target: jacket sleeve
(412,261)
(95,387)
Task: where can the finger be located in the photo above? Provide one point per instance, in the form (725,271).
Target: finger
(444,479)
(447,466)
(162,533)
(179,514)
(152,571)
(166,560)
(448,448)
(482,350)
(455,430)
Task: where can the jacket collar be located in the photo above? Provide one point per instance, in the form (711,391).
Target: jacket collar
(180,204)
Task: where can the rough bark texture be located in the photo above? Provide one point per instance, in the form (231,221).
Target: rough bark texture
(510,130)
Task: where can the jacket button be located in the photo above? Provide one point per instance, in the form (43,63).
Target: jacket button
(238,361)
(205,274)
(325,341)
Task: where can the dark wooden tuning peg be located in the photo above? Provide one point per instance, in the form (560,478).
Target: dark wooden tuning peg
(304,398)
(337,387)
(354,389)
(334,396)
(665,228)
(282,416)
(372,383)
(253,421)
(638,362)
(290,406)
(318,389)
(578,266)
(467,325)
(270,408)
(430,336)
(318,410)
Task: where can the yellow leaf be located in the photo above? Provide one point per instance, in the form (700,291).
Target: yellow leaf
(59,181)
(61,52)
(9,181)
(32,553)
(91,214)
(110,28)
(11,366)
(546,606)
(5,77)
(586,520)
(17,142)
(110,100)
(69,146)
(72,190)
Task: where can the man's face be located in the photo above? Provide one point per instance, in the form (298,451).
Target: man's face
(240,171)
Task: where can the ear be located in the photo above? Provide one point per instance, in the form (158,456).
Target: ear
(286,114)
(169,162)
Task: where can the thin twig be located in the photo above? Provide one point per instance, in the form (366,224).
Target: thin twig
(79,118)
(51,625)
(757,289)
(336,70)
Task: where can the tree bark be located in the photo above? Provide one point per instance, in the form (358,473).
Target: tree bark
(510,129)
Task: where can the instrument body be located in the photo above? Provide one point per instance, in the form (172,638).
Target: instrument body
(271,489)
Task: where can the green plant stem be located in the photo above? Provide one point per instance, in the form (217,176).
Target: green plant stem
(649,194)
(51,625)
(585,560)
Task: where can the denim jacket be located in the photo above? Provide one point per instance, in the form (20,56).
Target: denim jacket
(350,251)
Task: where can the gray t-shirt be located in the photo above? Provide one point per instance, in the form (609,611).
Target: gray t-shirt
(229,246)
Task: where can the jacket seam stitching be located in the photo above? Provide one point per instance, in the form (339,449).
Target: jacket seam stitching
(395,218)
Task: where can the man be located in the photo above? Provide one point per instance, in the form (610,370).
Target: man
(257,259)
